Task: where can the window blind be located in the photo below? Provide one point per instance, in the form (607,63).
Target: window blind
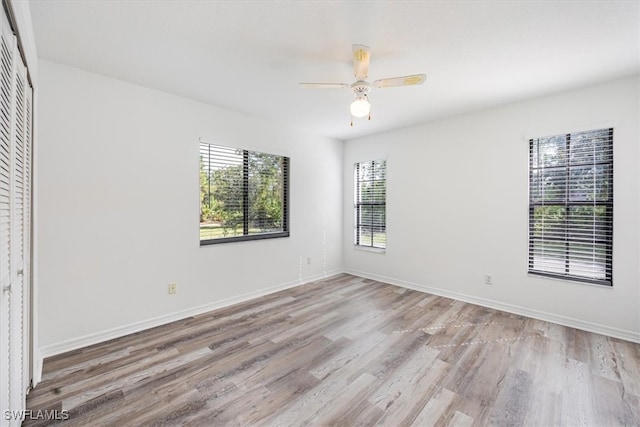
(370,204)
(571,206)
(244,195)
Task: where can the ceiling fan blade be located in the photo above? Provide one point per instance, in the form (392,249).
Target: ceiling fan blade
(361,56)
(416,79)
(325,85)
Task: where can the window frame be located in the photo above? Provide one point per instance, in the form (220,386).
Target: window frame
(566,203)
(358,204)
(286,172)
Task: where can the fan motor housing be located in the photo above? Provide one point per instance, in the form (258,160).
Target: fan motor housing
(360,88)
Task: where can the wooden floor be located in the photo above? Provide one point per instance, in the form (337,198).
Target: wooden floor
(348,351)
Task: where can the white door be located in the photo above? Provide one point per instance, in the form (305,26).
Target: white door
(15,227)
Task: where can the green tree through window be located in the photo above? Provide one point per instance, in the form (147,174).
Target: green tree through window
(243,194)
(370,204)
(571,206)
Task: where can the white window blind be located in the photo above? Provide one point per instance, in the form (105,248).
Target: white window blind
(244,195)
(370,204)
(571,206)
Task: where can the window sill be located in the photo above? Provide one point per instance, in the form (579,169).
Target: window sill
(369,249)
(244,238)
(555,278)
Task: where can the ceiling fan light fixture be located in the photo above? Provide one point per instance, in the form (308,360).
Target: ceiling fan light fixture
(360,107)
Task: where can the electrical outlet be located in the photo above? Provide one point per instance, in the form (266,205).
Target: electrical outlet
(308,260)
(172,288)
(488,280)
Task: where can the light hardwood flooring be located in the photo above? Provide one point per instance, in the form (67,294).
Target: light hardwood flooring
(348,351)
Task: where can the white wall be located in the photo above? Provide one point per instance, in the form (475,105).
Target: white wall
(118,209)
(457,208)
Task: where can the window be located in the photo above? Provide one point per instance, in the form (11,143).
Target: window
(370,204)
(571,206)
(244,195)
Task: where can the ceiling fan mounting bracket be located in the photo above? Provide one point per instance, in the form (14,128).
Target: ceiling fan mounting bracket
(360,88)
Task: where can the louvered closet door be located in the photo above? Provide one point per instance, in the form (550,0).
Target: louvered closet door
(26,239)
(19,295)
(7,298)
(15,225)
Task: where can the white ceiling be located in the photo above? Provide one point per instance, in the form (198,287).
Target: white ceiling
(250,55)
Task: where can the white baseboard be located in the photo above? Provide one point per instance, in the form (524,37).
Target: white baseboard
(95,338)
(509,308)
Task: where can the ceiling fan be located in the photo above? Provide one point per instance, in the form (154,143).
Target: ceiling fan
(361,107)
